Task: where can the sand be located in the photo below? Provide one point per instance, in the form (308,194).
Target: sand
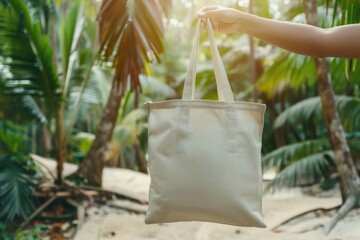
(104,222)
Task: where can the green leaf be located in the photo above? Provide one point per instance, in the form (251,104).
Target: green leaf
(285,70)
(293,152)
(32,106)
(305,171)
(28,55)
(16,187)
(82,141)
(71,28)
(310,111)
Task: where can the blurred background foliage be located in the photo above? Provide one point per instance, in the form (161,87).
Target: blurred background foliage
(55,83)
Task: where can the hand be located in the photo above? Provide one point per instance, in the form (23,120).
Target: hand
(224,19)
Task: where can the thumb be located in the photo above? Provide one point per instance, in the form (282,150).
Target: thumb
(209,14)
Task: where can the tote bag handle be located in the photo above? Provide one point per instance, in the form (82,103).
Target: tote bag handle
(222,82)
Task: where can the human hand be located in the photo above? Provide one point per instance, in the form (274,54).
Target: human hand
(224,19)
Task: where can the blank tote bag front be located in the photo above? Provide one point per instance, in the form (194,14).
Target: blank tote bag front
(204,156)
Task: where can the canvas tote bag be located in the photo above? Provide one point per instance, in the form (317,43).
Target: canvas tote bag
(204,156)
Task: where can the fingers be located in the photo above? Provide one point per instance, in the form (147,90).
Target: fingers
(204,17)
(203,23)
(210,14)
(207,8)
(203,20)
(207,11)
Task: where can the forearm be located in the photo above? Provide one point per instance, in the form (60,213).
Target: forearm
(304,39)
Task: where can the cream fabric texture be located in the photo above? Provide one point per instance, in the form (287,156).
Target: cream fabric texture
(204,156)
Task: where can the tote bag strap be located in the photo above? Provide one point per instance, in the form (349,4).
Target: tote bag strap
(222,82)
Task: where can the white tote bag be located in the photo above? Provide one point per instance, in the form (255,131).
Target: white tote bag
(204,156)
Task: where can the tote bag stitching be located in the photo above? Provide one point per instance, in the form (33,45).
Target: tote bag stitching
(206,104)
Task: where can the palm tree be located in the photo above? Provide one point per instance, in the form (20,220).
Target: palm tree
(131,34)
(312,156)
(29,50)
(309,157)
(349,179)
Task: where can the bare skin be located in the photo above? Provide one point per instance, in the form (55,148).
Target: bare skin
(341,42)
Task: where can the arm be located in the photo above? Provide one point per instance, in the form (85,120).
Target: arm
(303,39)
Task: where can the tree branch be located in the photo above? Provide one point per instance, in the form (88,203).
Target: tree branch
(275,229)
(343,211)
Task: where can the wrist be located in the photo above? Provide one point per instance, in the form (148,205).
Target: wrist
(240,20)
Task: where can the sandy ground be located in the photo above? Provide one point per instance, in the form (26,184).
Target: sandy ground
(110,223)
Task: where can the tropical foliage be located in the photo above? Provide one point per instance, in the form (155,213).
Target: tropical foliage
(17,173)
(130,42)
(43,63)
(308,156)
(289,87)
(71,88)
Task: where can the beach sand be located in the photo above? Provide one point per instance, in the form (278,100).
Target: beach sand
(104,222)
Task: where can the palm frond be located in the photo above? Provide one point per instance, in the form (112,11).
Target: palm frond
(305,171)
(82,141)
(22,109)
(155,89)
(286,70)
(71,28)
(345,12)
(94,96)
(310,110)
(341,83)
(131,32)
(28,54)
(16,188)
(303,111)
(293,152)
(29,103)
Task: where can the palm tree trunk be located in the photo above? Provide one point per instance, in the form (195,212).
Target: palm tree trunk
(33,138)
(91,167)
(60,144)
(46,139)
(349,179)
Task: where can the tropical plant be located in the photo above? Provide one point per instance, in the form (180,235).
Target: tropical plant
(127,136)
(25,80)
(30,49)
(308,158)
(130,133)
(316,160)
(345,12)
(17,186)
(93,101)
(17,171)
(349,179)
(129,41)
